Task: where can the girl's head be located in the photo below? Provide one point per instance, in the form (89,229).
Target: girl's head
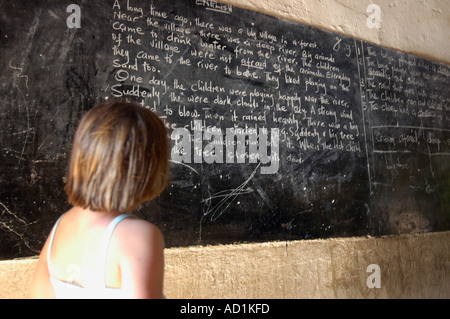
(119,159)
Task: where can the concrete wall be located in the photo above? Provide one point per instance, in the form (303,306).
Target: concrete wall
(411,266)
(420,27)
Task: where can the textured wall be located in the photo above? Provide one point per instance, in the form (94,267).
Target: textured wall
(411,266)
(420,27)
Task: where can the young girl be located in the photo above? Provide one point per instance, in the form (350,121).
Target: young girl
(119,159)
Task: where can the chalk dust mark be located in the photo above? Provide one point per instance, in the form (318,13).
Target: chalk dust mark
(9,228)
(183,164)
(228,197)
(21,75)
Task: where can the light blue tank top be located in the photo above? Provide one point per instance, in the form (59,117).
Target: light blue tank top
(96,290)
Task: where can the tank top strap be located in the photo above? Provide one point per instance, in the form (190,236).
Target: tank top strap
(49,249)
(104,248)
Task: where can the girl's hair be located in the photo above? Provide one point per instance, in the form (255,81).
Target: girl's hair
(119,159)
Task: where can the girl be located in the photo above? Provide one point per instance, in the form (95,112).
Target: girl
(119,159)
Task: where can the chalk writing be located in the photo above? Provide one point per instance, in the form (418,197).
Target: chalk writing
(408,115)
(308,121)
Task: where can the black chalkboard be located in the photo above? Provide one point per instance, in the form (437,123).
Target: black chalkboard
(279,131)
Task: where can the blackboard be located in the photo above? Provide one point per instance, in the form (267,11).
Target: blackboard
(279,131)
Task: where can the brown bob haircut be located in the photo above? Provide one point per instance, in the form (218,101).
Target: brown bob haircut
(119,159)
